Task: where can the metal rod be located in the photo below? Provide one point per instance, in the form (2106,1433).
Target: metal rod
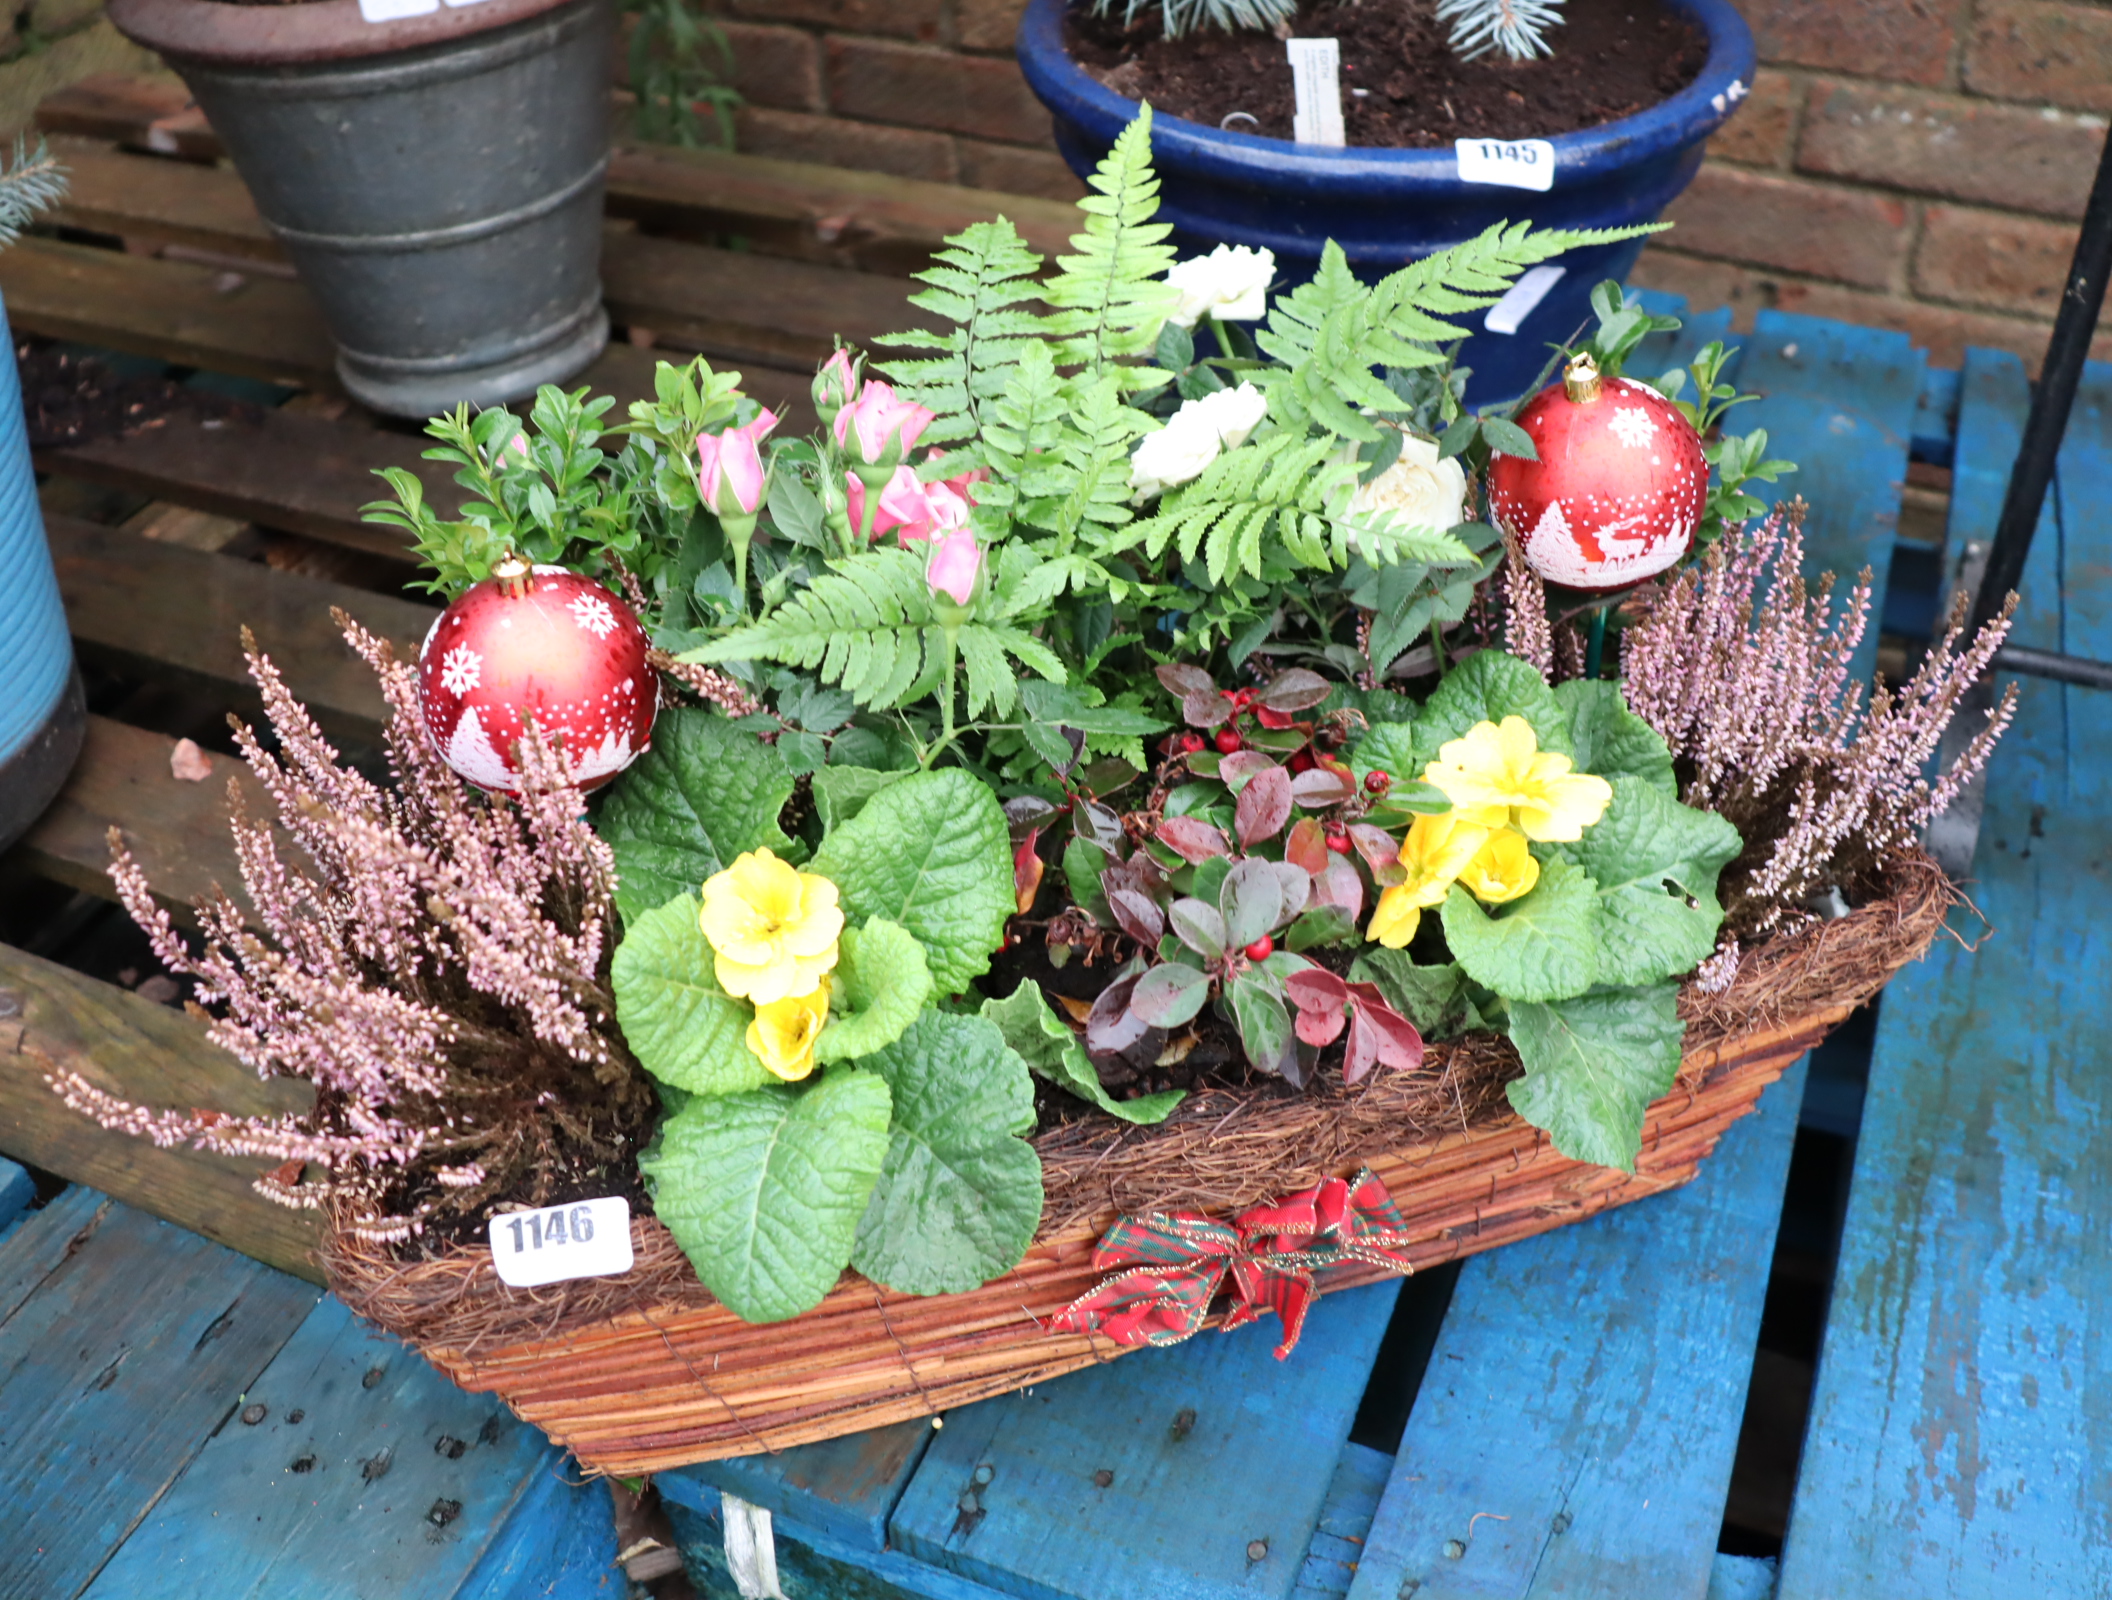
(2081,300)
(2051,664)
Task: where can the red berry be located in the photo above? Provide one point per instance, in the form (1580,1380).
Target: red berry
(1302,761)
(1339,843)
(1377,782)
(1228,740)
(1261,949)
(1190,743)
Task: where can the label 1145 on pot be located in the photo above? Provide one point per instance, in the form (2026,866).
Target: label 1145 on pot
(1512,163)
(585,1239)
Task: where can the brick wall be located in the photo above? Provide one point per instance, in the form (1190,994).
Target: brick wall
(1917,164)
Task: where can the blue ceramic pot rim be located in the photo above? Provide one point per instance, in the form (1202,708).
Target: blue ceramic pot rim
(1580,158)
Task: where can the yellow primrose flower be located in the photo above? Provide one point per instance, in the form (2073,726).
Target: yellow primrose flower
(771,927)
(1502,870)
(783,1033)
(1435,852)
(1499,777)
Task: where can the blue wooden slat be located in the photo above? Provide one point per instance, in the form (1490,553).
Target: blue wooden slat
(1961,1434)
(846,1488)
(1581,1411)
(17,1189)
(1213,1447)
(1345,1522)
(1936,416)
(1840,402)
(811,1565)
(370,1477)
(1661,352)
(1742,1578)
(127,1347)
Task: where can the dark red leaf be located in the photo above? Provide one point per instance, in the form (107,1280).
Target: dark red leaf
(1316,989)
(1238,769)
(1027,870)
(1185,681)
(1306,845)
(1362,1049)
(1321,1027)
(1107,775)
(1205,710)
(1378,847)
(1193,839)
(1275,719)
(1140,918)
(1319,788)
(1394,1040)
(287,1173)
(1095,822)
(1295,689)
(1264,806)
(1111,1027)
(1029,813)
(1340,886)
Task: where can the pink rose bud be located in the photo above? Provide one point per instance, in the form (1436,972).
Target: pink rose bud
(885,427)
(956,562)
(902,509)
(835,385)
(732,477)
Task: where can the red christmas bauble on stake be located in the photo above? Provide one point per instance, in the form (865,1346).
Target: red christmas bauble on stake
(540,643)
(1619,487)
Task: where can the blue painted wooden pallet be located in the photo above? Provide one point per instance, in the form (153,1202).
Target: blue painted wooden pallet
(177,1421)
(1961,1432)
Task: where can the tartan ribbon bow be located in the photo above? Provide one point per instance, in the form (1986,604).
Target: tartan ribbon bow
(1170,1266)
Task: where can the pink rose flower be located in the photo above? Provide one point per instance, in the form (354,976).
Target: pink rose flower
(886,427)
(732,478)
(912,511)
(956,561)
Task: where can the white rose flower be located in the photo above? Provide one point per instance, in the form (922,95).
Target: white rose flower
(1234,413)
(1418,490)
(1231,283)
(1176,454)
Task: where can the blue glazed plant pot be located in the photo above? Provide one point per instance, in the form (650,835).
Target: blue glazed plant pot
(1389,207)
(42,711)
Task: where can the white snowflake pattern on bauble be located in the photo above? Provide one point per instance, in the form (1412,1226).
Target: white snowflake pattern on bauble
(1633,427)
(461,669)
(592,613)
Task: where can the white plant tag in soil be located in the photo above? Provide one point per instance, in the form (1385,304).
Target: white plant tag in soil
(1522,299)
(1512,163)
(586,1239)
(395,10)
(1316,76)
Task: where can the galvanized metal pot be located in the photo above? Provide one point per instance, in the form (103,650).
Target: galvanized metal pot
(43,713)
(436,179)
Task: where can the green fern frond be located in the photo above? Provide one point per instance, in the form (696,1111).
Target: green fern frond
(1110,299)
(978,283)
(863,624)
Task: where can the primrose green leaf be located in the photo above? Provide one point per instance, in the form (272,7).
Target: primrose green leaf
(1609,739)
(1388,748)
(1487,687)
(886,982)
(1059,703)
(684,1029)
(763,1190)
(1435,999)
(960,1195)
(704,794)
(930,853)
(1650,856)
(1542,947)
(1049,1048)
(1593,1064)
(840,793)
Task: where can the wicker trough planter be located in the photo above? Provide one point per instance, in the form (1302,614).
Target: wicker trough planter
(647,1372)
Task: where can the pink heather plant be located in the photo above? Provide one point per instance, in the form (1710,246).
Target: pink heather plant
(439,977)
(1747,675)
